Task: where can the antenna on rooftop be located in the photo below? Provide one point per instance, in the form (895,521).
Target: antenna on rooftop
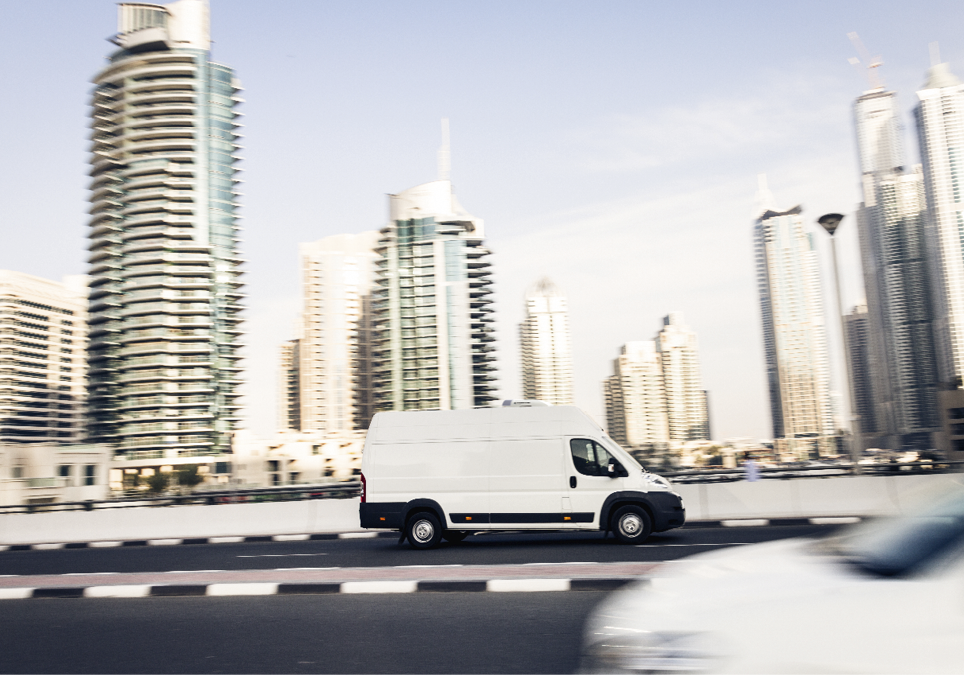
(445,153)
(871,64)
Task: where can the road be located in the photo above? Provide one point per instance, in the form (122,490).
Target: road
(417,632)
(494,549)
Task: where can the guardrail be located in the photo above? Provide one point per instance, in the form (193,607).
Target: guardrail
(712,475)
(345,490)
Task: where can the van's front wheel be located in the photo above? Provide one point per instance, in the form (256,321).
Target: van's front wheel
(631,525)
(424,530)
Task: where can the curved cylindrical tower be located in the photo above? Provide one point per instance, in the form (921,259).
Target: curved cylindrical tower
(165,286)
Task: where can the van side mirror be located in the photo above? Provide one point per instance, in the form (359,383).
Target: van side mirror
(615,469)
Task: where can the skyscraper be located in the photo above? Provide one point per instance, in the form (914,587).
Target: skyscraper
(940,129)
(43,340)
(335,389)
(433,305)
(289,386)
(165,286)
(636,397)
(858,352)
(686,413)
(794,334)
(899,406)
(546,347)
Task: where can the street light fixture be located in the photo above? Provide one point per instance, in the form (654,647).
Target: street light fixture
(830,222)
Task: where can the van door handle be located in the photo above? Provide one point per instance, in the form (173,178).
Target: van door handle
(572,481)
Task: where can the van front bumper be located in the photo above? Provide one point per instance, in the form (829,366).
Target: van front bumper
(668,510)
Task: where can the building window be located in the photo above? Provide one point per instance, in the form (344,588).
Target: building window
(66,472)
(955,413)
(90,474)
(16,472)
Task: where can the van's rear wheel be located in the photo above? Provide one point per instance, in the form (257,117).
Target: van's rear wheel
(454,536)
(424,530)
(631,525)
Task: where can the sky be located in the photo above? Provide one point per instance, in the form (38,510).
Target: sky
(611,146)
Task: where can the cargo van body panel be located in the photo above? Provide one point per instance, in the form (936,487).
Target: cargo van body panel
(539,468)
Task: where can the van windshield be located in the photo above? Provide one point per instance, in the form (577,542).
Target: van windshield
(630,460)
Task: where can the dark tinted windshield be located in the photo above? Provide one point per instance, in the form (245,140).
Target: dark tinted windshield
(904,545)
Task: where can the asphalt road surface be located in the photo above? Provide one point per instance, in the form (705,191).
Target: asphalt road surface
(494,549)
(422,633)
(456,632)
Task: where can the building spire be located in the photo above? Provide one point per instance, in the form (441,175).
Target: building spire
(445,153)
(764,198)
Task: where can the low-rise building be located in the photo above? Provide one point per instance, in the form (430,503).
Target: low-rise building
(296,458)
(46,473)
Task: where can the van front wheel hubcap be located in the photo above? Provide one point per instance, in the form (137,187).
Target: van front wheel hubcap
(630,524)
(423,530)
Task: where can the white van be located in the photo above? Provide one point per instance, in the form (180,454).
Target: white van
(446,473)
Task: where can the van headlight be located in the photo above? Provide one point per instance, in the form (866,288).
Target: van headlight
(659,480)
(625,651)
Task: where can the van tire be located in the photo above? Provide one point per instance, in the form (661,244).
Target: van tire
(631,525)
(454,536)
(423,530)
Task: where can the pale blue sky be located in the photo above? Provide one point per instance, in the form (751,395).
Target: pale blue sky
(611,145)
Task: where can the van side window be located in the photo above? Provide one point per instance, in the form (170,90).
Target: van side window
(590,458)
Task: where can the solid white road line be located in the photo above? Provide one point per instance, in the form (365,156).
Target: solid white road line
(526,585)
(243,589)
(835,521)
(749,522)
(379,586)
(124,591)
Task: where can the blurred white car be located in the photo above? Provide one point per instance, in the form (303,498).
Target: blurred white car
(884,596)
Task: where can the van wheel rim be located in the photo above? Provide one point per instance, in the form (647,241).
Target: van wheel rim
(630,524)
(423,531)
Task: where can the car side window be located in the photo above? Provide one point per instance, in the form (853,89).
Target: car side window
(589,458)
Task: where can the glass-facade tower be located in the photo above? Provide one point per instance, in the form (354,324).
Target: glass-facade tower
(900,406)
(164,269)
(432,310)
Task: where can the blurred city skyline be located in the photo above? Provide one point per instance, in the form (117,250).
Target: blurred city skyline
(613,148)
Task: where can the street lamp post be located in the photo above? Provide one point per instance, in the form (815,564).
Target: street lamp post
(830,223)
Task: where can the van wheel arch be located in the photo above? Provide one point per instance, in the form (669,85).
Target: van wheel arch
(417,505)
(616,501)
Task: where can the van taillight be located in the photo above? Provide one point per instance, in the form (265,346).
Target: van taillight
(364,488)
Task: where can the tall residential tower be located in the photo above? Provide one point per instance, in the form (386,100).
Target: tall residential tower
(686,413)
(794,334)
(432,308)
(940,128)
(334,365)
(165,288)
(43,358)
(546,347)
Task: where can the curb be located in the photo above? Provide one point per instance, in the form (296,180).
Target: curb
(200,540)
(736,522)
(347,587)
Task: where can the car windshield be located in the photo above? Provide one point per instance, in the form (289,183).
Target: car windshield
(904,545)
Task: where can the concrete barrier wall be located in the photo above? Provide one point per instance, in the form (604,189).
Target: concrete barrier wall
(181,522)
(800,498)
(813,497)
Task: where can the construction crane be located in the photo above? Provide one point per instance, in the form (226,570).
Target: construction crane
(870,64)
